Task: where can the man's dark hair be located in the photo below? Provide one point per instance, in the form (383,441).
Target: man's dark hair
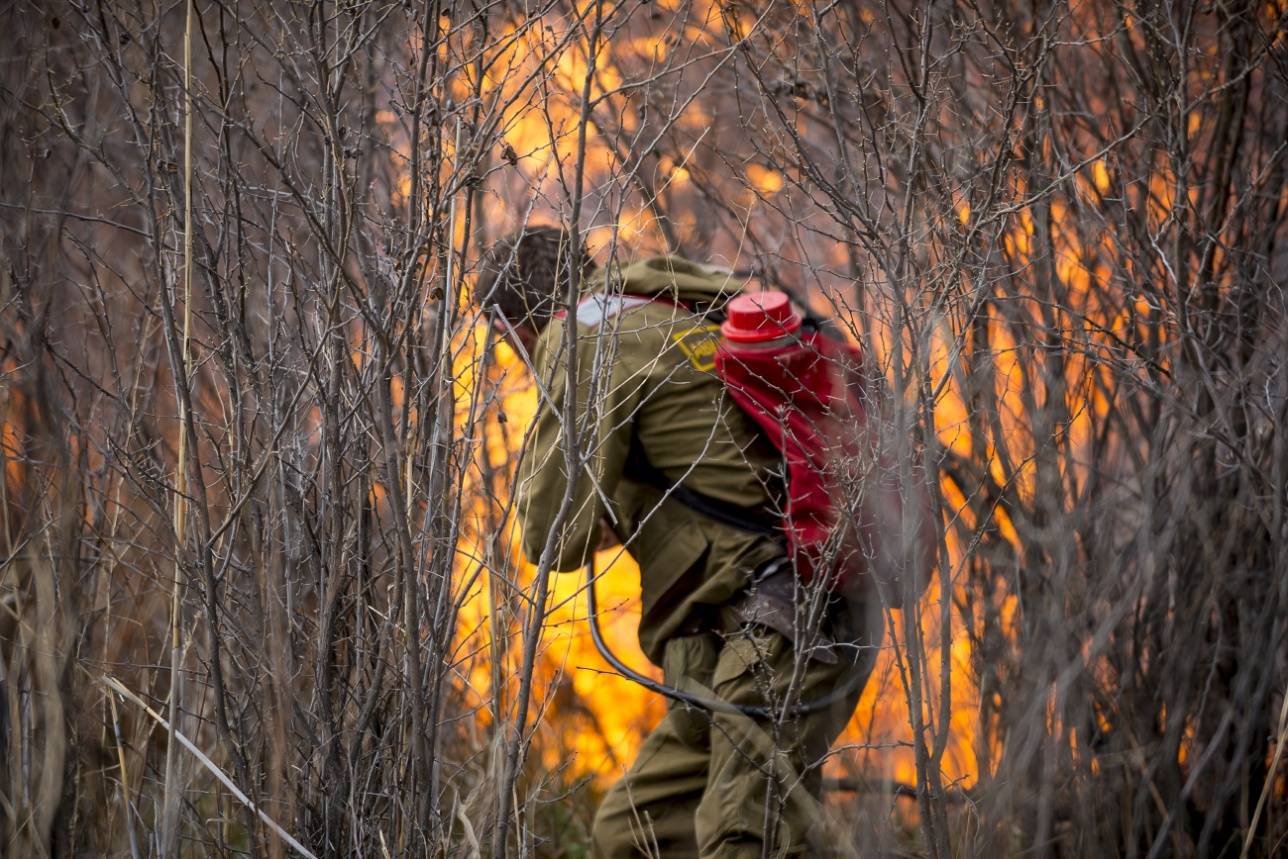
(525,275)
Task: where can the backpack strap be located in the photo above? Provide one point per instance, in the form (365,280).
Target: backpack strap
(641,470)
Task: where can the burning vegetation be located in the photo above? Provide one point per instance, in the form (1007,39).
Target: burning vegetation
(259,442)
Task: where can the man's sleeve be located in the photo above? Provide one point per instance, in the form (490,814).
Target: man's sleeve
(608,393)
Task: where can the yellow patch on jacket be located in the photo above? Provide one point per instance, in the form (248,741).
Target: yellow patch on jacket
(699,345)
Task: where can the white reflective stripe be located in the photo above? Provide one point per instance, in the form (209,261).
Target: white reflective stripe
(594,310)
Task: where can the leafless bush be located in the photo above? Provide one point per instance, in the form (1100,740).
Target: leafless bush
(1057,231)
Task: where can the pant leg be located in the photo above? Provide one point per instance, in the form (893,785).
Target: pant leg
(754,762)
(650,812)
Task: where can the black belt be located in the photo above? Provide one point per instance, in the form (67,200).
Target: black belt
(756,520)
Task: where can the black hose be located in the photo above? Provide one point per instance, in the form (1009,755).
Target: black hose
(718,705)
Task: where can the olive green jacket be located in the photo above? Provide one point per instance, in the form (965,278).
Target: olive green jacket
(645,382)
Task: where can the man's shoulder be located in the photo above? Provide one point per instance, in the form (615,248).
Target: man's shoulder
(601,310)
(639,331)
(654,306)
(629,323)
(626,316)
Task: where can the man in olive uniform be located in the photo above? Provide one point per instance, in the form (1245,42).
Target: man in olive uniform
(722,612)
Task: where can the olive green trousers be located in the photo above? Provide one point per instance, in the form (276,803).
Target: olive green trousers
(719,786)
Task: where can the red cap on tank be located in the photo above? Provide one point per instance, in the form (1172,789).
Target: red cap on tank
(759,317)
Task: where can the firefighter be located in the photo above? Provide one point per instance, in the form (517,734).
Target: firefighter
(723,614)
